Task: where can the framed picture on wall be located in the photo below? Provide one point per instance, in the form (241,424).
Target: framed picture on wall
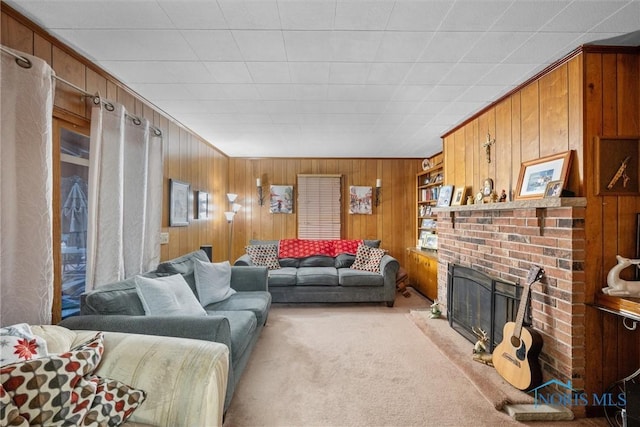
(179,203)
(617,166)
(360,199)
(536,174)
(281,199)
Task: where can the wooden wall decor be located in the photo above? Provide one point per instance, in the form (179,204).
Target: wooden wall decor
(617,168)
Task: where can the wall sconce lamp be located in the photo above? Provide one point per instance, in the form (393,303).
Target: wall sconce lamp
(378,190)
(259,190)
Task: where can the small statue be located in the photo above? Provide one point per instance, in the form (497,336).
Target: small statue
(503,196)
(435,310)
(619,287)
(493,197)
(480,348)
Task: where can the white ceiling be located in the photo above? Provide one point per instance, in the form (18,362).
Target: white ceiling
(327,78)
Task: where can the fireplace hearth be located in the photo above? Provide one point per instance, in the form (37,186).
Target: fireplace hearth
(477,300)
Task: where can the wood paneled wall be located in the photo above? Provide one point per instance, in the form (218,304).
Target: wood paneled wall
(595,91)
(393,221)
(187,157)
(611,108)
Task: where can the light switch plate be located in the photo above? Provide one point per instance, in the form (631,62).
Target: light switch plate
(164,238)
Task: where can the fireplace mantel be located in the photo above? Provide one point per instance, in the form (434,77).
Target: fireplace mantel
(549,202)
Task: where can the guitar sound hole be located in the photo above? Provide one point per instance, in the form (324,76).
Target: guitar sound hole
(515,341)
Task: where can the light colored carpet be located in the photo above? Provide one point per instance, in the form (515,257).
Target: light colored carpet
(355,365)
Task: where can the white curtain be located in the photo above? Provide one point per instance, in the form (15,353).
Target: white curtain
(26,214)
(125,197)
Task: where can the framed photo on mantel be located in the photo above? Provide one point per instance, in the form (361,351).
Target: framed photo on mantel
(536,174)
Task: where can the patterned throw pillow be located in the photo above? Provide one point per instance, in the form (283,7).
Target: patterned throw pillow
(113,404)
(9,413)
(53,390)
(264,255)
(303,248)
(18,343)
(368,259)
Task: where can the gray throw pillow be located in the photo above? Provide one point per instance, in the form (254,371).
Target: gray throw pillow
(167,296)
(213,281)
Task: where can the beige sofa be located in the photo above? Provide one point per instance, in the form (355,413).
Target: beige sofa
(185,379)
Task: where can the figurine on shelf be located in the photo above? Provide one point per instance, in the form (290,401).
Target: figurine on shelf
(503,196)
(619,287)
(435,310)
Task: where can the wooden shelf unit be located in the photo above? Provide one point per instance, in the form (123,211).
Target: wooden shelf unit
(428,183)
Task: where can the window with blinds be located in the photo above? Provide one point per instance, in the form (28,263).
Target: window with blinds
(319,199)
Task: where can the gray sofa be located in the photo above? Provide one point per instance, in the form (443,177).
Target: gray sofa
(236,322)
(327,279)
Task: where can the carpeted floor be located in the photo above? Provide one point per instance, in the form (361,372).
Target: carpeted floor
(356,365)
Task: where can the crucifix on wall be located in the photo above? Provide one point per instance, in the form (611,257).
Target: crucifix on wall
(487,146)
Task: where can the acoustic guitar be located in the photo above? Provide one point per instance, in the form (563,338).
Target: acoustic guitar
(516,357)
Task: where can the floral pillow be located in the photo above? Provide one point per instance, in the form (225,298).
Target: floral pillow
(18,343)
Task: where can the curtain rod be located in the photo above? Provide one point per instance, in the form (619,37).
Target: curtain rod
(97,99)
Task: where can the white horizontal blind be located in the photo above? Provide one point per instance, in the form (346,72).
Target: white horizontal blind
(319,206)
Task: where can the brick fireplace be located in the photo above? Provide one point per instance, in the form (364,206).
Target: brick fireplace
(504,240)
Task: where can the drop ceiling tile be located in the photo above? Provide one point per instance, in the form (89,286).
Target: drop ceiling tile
(388,72)
(449,46)
(543,48)
(278,92)
(269,72)
(313,92)
(213,45)
(71,14)
(362,14)
(446,93)
(308,45)
(309,72)
(472,15)
(260,45)
(349,72)
(581,15)
(258,14)
(229,72)
(223,92)
(162,91)
(401,107)
(175,72)
(485,93)
(179,106)
(408,92)
(132,45)
(624,20)
(355,46)
(409,15)
(286,107)
(196,15)
(402,46)
(528,15)
(494,47)
(428,73)
(307,14)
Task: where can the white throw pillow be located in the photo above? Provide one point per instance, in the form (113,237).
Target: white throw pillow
(18,344)
(213,281)
(168,296)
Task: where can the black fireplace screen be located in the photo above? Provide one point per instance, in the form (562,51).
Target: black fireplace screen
(476,300)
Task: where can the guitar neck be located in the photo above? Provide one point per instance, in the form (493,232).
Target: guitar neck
(522,308)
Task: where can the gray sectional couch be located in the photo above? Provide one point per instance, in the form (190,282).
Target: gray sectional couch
(328,279)
(236,321)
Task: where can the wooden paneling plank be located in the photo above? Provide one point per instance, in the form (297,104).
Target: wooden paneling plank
(554,119)
(530,123)
(15,35)
(73,71)
(609,95)
(42,48)
(627,99)
(501,150)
